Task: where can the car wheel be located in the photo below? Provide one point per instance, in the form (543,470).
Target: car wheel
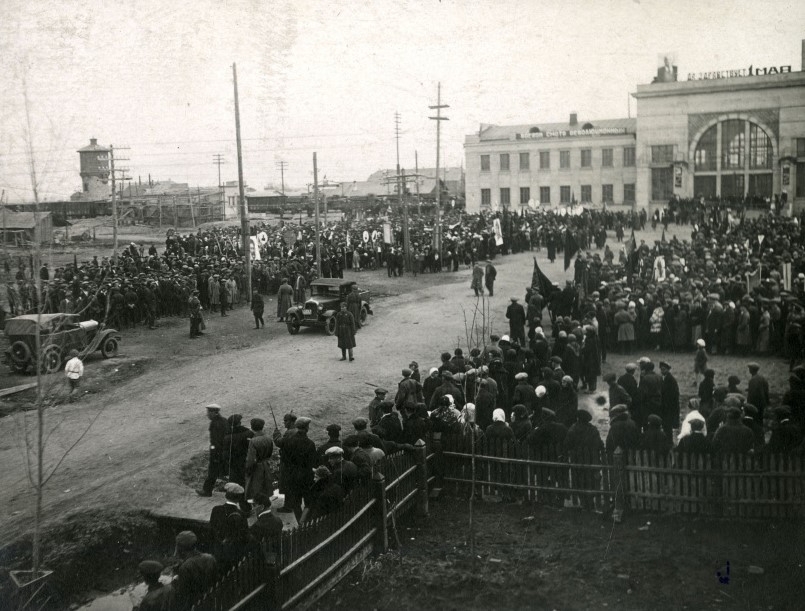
(364,317)
(109,348)
(51,359)
(20,354)
(293,326)
(329,326)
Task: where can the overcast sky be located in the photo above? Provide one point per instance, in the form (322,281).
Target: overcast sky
(156,75)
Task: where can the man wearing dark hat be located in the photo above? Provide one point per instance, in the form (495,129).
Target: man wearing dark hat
(628,381)
(447,387)
(361,426)
(233,495)
(374,411)
(733,437)
(218,429)
(390,428)
(524,393)
(516,315)
(623,432)
(333,441)
(196,319)
(409,391)
(196,572)
(695,443)
(617,393)
(583,446)
(669,412)
(258,470)
(757,392)
(490,274)
(268,527)
(159,596)
(300,458)
(654,438)
(649,394)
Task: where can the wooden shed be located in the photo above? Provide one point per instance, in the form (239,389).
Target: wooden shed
(20,227)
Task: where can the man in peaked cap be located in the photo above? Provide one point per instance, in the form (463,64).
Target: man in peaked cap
(517,319)
(159,596)
(218,429)
(233,495)
(374,412)
(333,441)
(757,391)
(669,400)
(299,458)
(196,572)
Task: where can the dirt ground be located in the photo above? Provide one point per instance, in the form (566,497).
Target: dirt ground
(151,397)
(543,558)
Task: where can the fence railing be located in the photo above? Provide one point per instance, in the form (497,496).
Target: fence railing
(313,557)
(747,486)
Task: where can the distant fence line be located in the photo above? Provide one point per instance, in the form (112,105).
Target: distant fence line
(309,560)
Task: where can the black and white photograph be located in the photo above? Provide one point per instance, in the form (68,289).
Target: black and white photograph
(402,305)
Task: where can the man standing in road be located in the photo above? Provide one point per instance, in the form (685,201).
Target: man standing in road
(489,280)
(257,307)
(300,458)
(345,331)
(516,315)
(757,392)
(284,299)
(196,319)
(218,429)
(670,401)
(73,369)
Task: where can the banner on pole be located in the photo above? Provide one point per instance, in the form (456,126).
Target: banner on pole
(254,248)
(387,233)
(787,276)
(498,232)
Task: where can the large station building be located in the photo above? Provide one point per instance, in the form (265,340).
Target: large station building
(734,132)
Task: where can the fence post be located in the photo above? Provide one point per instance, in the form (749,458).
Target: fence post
(381,515)
(422,477)
(620,485)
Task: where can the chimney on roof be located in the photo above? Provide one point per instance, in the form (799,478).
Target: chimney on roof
(93,141)
(574,118)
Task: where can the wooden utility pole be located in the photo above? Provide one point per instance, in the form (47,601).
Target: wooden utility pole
(438,118)
(244,217)
(159,205)
(400,200)
(316,203)
(282,165)
(114,204)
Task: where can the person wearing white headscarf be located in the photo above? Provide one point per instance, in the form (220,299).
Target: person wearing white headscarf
(467,421)
(499,429)
(693,414)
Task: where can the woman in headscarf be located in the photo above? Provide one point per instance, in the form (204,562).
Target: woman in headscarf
(693,414)
(469,428)
(499,429)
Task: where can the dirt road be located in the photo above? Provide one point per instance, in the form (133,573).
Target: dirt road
(152,423)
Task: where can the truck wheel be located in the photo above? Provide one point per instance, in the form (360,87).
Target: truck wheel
(293,326)
(51,359)
(20,353)
(109,348)
(329,326)
(364,317)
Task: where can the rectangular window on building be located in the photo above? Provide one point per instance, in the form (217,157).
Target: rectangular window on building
(628,193)
(505,197)
(545,194)
(486,197)
(629,157)
(544,160)
(663,153)
(606,193)
(525,194)
(504,162)
(606,158)
(564,195)
(800,147)
(525,161)
(564,159)
(760,148)
(800,179)
(586,158)
(484,163)
(586,193)
(733,146)
(662,184)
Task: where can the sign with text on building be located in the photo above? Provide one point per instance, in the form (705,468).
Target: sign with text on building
(573,133)
(740,72)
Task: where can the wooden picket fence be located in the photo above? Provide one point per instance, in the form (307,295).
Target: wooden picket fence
(745,486)
(309,560)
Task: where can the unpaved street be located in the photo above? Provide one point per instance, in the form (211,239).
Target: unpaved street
(151,424)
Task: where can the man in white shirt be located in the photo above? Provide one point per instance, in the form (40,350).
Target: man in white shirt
(74,369)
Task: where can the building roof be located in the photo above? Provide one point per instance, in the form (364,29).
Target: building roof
(21,220)
(449,174)
(510,132)
(94,146)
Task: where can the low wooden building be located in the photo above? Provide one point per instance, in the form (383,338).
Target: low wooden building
(20,228)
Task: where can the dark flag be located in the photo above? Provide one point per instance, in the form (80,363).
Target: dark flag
(631,253)
(75,262)
(541,282)
(571,247)
(662,239)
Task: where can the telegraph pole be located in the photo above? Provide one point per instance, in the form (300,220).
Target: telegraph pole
(282,165)
(438,118)
(218,160)
(316,200)
(114,195)
(400,189)
(244,217)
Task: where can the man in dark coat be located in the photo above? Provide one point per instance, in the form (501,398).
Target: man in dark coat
(484,405)
(159,596)
(617,393)
(583,446)
(268,527)
(516,315)
(389,428)
(258,470)
(628,382)
(695,443)
(218,429)
(524,393)
(374,411)
(258,307)
(785,434)
(196,572)
(623,432)
(491,274)
(236,447)
(670,401)
(757,392)
(448,387)
(196,318)
(345,330)
(354,304)
(733,437)
(409,391)
(300,458)
(649,393)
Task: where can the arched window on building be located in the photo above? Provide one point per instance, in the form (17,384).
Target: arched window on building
(733,158)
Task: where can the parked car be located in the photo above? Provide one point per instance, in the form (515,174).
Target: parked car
(58,334)
(325,300)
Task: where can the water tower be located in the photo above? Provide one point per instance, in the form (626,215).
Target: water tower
(94,171)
